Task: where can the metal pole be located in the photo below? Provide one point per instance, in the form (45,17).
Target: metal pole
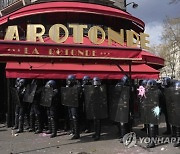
(8,115)
(122,70)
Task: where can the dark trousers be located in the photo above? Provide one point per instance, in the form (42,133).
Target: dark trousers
(35,115)
(52,121)
(19,117)
(73,116)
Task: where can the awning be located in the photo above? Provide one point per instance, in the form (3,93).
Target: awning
(61,70)
(24,51)
(75,7)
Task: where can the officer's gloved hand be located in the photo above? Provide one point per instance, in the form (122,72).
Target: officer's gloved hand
(55,91)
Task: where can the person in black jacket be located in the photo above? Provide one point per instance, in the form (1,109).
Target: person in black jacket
(35,112)
(52,110)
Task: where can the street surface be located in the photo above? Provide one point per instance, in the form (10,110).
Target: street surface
(30,143)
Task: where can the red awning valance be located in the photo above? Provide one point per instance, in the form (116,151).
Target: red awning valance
(61,70)
(24,51)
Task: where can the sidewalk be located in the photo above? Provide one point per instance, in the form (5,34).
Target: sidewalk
(31,143)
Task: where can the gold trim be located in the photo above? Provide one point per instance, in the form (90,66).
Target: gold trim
(68,57)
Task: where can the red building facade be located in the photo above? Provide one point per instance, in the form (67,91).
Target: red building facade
(51,39)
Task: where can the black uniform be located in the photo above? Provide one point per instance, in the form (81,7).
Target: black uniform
(165,83)
(96,104)
(87,123)
(119,108)
(70,98)
(150,111)
(33,95)
(50,100)
(20,105)
(172,93)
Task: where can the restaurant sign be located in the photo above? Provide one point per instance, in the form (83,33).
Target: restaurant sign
(59,34)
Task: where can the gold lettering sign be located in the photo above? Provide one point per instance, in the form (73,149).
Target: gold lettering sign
(132,38)
(12,33)
(70,52)
(59,34)
(144,41)
(55,31)
(77,32)
(116,37)
(32,33)
(93,35)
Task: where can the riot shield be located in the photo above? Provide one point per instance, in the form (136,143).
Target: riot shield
(95,102)
(173,106)
(119,103)
(30,93)
(149,107)
(15,96)
(168,92)
(70,96)
(46,97)
(176,104)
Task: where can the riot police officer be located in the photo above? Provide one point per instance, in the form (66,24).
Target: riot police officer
(166,82)
(17,106)
(19,111)
(177,112)
(96,105)
(86,81)
(97,121)
(71,84)
(35,113)
(119,97)
(150,110)
(141,95)
(172,94)
(51,88)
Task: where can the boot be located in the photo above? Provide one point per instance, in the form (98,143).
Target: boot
(39,125)
(87,126)
(54,128)
(122,131)
(174,131)
(21,125)
(27,122)
(156,127)
(177,144)
(32,123)
(49,126)
(98,130)
(144,128)
(168,131)
(72,131)
(152,135)
(76,130)
(95,129)
(16,122)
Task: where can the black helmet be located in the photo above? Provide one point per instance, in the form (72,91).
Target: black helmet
(125,79)
(86,79)
(17,82)
(144,83)
(50,83)
(177,85)
(96,81)
(151,83)
(166,82)
(71,79)
(21,82)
